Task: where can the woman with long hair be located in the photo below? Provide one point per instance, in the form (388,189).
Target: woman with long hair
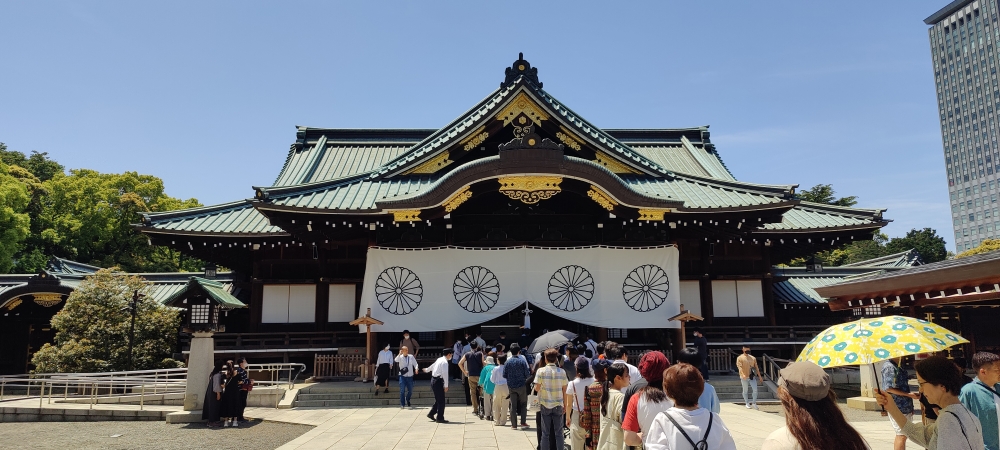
(591,417)
(213,397)
(612,437)
(576,403)
(650,400)
(956,428)
(813,421)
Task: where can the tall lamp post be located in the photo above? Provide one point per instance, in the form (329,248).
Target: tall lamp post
(133,309)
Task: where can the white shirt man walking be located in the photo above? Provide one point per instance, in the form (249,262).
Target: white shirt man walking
(439,385)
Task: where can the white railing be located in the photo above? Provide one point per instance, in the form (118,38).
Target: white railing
(138,384)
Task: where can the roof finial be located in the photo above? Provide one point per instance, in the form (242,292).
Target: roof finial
(518,69)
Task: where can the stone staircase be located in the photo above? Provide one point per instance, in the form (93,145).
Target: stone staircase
(730,390)
(355,395)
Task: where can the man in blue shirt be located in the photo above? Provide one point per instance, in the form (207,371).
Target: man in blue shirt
(516,371)
(982,396)
(896,382)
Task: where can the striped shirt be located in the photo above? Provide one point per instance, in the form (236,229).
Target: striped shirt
(550,383)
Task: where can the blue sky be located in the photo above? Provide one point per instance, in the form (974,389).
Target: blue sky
(206,94)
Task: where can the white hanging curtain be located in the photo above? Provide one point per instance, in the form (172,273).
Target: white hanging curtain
(450,288)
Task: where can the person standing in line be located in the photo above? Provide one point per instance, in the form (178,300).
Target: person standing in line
(612,437)
(516,371)
(642,405)
(896,383)
(413,347)
(407,369)
(956,428)
(812,417)
(617,354)
(687,425)
(456,355)
(230,411)
(213,397)
(472,365)
(591,419)
(568,363)
(550,385)
(502,340)
(701,344)
(589,344)
(709,399)
(488,388)
(383,368)
(576,403)
(746,364)
(479,340)
(439,384)
(600,350)
(501,396)
(982,396)
(242,366)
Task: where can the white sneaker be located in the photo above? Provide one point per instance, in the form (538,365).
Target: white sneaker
(756,407)
(225,424)
(236,423)
(747,405)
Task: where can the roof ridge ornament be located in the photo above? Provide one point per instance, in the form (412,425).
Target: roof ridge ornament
(519,68)
(525,137)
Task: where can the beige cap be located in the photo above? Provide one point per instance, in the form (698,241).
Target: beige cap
(805,380)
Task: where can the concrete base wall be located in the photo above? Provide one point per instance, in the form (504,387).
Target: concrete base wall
(75,415)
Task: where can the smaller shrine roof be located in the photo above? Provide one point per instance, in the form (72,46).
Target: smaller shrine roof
(235,219)
(219,292)
(800,286)
(814,216)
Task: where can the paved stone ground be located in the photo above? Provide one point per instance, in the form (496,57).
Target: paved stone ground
(145,435)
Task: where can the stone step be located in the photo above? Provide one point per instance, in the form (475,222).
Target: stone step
(375,403)
(391,394)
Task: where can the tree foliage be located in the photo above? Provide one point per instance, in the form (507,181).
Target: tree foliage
(93,326)
(14,221)
(928,244)
(824,193)
(83,215)
(988,245)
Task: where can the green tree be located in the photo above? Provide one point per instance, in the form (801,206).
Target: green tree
(92,328)
(926,241)
(824,193)
(14,222)
(38,164)
(988,245)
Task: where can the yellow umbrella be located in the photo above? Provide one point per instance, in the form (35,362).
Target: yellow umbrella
(874,339)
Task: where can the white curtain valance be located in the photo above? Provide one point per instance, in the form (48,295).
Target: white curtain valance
(450,288)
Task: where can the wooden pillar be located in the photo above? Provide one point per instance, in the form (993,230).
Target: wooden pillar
(767,285)
(256,304)
(705,285)
(602,334)
(322,306)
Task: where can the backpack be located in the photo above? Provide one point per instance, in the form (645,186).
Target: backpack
(703,443)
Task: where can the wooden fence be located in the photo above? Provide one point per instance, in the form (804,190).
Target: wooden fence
(331,366)
(720,360)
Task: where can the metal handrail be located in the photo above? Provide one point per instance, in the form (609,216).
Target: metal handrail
(771,367)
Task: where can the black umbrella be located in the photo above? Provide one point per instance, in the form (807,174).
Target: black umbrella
(551,339)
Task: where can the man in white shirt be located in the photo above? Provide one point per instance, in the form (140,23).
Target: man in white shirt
(576,401)
(479,340)
(616,353)
(439,384)
(501,396)
(590,344)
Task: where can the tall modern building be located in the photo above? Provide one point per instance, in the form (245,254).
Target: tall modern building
(964,36)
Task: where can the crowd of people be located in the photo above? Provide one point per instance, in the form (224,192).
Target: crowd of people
(605,402)
(229,386)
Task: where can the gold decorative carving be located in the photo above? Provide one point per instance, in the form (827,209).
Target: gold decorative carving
(406,215)
(652,214)
(601,198)
(474,141)
(567,137)
(457,199)
(522,104)
(47,300)
(613,165)
(432,165)
(13,304)
(530,189)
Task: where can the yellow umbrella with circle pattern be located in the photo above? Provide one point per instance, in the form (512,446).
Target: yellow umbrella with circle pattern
(867,341)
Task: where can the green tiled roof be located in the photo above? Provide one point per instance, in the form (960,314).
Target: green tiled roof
(236,218)
(708,193)
(326,160)
(811,216)
(214,289)
(802,289)
(908,258)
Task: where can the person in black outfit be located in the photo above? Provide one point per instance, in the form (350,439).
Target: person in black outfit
(503,340)
(231,395)
(702,345)
(213,397)
(241,366)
